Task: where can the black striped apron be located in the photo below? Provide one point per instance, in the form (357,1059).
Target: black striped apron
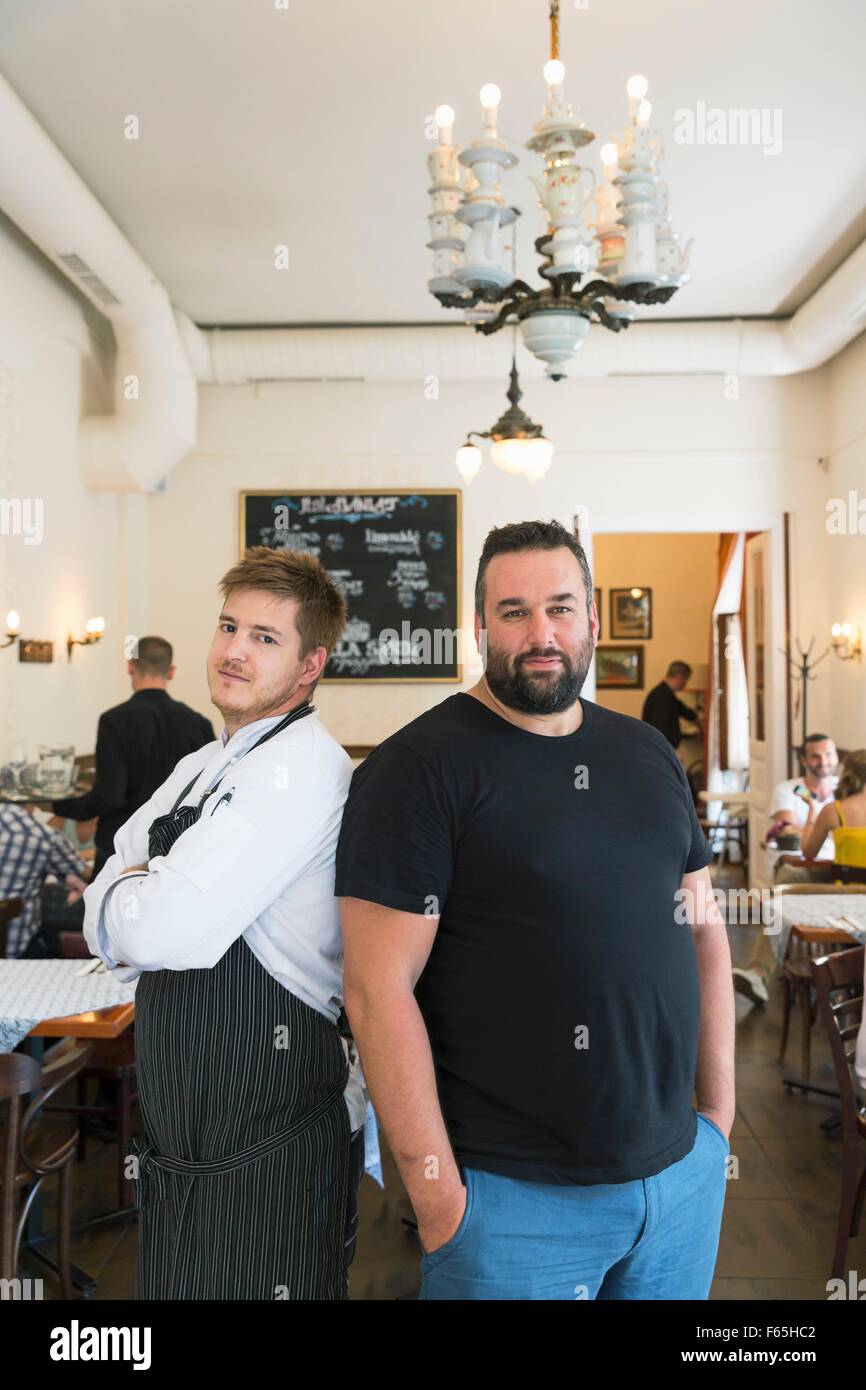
(243,1170)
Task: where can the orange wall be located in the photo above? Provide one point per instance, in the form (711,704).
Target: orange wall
(680,568)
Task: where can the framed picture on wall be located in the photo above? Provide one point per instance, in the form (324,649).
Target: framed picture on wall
(619,668)
(598,608)
(631,614)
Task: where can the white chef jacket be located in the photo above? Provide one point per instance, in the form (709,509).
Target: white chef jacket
(260,865)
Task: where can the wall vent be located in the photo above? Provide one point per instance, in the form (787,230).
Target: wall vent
(88,278)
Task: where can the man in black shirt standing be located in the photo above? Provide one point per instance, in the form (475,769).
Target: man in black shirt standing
(536,972)
(663,710)
(138,745)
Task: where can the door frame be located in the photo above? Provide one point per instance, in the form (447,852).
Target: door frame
(737,519)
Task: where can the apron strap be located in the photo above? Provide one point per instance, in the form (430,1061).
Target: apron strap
(154,1165)
(299,713)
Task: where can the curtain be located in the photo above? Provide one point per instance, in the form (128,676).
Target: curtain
(736,713)
(727,548)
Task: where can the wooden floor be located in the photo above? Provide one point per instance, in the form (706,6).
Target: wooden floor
(780,1216)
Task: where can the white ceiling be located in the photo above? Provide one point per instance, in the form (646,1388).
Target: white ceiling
(305,126)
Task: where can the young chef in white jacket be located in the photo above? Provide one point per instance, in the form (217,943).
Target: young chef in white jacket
(219,897)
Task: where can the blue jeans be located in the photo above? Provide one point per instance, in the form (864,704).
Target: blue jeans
(653,1238)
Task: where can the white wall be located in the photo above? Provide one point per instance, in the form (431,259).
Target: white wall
(674,450)
(669,454)
(49,374)
(846,553)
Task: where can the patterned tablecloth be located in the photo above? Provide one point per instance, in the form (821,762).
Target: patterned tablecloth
(807,910)
(33,990)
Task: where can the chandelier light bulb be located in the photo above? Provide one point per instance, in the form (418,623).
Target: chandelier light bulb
(554,72)
(444,118)
(644,111)
(637,87)
(490,96)
(609,155)
(468,462)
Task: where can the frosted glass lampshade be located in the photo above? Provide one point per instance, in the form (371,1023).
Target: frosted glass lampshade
(468,462)
(531,457)
(538,454)
(508,454)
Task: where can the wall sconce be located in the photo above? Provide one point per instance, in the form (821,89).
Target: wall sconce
(846,642)
(13,623)
(93,631)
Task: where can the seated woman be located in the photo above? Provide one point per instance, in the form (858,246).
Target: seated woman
(844,818)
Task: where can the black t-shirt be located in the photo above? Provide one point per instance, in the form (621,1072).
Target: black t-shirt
(663,710)
(555,862)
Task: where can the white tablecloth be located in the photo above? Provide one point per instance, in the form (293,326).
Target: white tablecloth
(813,910)
(33,990)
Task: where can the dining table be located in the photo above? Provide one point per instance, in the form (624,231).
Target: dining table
(45,999)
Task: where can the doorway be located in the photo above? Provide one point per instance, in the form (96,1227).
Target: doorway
(684,554)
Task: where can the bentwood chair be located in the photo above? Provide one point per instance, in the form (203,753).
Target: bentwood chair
(112,1065)
(805,944)
(839,986)
(10,908)
(35,1146)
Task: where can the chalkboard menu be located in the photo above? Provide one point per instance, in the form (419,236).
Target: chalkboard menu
(396,558)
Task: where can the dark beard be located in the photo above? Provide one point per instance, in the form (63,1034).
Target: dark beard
(538,694)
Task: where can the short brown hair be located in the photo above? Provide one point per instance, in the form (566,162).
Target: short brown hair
(293,574)
(153,656)
(529,535)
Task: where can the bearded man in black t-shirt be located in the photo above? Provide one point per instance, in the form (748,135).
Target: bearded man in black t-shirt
(537,975)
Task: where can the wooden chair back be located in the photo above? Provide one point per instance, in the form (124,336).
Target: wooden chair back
(85,768)
(839,989)
(826,871)
(62,1062)
(10,908)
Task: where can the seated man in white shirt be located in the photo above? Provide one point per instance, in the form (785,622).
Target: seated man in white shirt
(219,897)
(790,810)
(790,806)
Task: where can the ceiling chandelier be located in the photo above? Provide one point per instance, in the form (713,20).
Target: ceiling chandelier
(519,445)
(619,228)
